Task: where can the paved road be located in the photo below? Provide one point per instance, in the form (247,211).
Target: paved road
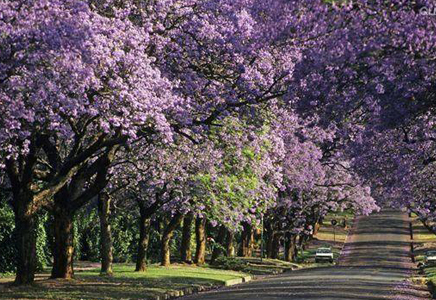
(375,261)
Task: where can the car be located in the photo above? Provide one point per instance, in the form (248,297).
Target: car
(430,257)
(324,254)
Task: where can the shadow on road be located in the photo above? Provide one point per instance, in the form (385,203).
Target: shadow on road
(375,263)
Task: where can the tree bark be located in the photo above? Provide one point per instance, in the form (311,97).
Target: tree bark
(251,242)
(220,242)
(144,236)
(185,249)
(67,201)
(145,213)
(24,175)
(63,244)
(269,233)
(105,234)
(25,226)
(247,241)
(275,251)
(290,246)
(302,241)
(316,228)
(166,239)
(230,249)
(200,238)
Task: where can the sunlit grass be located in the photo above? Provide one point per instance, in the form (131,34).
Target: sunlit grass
(125,284)
(424,240)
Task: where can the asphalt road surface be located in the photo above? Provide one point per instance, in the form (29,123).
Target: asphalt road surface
(374,264)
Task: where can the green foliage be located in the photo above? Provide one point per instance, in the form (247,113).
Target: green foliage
(124,229)
(238,183)
(7,242)
(154,245)
(8,251)
(229,263)
(125,234)
(87,235)
(43,251)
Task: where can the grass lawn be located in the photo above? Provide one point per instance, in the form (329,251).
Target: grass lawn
(424,240)
(254,266)
(327,232)
(328,236)
(125,284)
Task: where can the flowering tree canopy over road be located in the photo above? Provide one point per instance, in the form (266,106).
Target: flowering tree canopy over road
(214,111)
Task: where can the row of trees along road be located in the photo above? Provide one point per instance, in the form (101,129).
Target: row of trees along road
(215,113)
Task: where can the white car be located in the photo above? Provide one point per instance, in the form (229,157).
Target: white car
(430,257)
(324,254)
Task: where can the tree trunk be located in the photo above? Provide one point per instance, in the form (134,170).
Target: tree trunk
(290,246)
(269,245)
(302,241)
(275,251)
(105,234)
(185,249)
(220,242)
(25,226)
(294,248)
(200,238)
(251,243)
(269,233)
(144,236)
(166,239)
(316,228)
(63,244)
(230,249)
(67,201)
(247,241)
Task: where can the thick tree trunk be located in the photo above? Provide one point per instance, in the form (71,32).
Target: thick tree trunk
(105,234)
(144,236)
(294,248)
(247,241)
(25,226)
(302,241)
(145,213)
(251,242)
(185,249)
(63,244)
(220,242)
(290,246)
(166,239)
(268,239)
(275,250)
(230,249)
(269,245)
(200,238)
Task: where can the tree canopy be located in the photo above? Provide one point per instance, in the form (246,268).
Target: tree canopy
(223,111)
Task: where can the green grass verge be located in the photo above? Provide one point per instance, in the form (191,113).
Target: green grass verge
(424,240)
(327,232)
(125,284)
(327,236)
(254,266)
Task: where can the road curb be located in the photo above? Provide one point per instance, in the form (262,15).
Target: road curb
(197,289)
(237,281)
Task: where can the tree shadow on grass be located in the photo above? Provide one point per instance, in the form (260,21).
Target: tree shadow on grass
(94,287)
